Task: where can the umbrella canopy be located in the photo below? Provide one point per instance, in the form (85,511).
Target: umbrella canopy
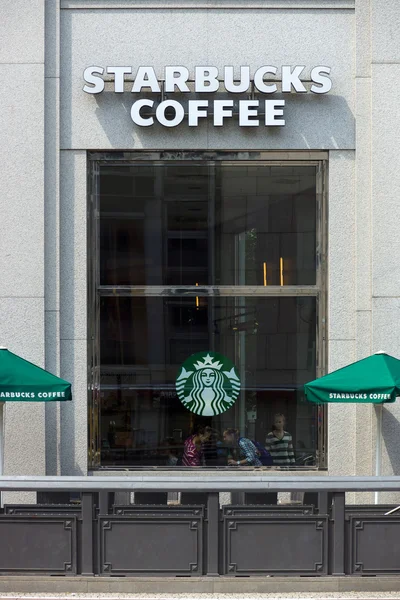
(22,381)
(375,380)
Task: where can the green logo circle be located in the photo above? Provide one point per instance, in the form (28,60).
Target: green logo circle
(208,384)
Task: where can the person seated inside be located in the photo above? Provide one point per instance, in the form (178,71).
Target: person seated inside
(193,449)
(247,454)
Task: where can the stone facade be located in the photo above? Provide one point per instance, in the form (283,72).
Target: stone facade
(48,124)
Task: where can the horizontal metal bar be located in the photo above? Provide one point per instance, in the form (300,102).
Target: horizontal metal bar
(288,158)
(213,291)
(205,483)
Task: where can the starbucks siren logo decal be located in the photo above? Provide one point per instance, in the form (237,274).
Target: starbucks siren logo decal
(208,384)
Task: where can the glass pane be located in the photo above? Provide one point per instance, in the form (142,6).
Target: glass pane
(191,224)
(145,341)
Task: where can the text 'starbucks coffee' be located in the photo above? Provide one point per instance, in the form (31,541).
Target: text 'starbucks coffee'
(252,111)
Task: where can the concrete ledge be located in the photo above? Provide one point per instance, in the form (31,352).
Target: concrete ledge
(207,4)
(196,585)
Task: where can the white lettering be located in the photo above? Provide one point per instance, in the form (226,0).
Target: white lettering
(176,76)
(229,82)
(272,112)
(145,78)
(222,109)
(95,81)
(324,83)
(259,80)
(179,113)
(292,79)
(195,113)
(206,79)
(119,73)
(248,109)
(137,117)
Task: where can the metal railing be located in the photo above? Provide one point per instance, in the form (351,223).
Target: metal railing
(99,537)
(205,483)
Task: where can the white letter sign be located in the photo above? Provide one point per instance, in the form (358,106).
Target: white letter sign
(248,109)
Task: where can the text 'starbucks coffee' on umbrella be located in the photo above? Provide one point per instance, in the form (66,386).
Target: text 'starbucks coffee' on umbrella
(375,379)
(22,381)
(371,380)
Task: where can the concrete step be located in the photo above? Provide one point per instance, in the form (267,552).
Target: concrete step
(300,596)
(169,587)
(314,596)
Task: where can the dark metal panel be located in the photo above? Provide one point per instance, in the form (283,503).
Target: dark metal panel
(375,545)
(266,509)
(42,545)
(188,498)
(105,502)
(324,502)
(86,548)
(359,511)
(338,515)
(42,509)
(213,513)
(145,510)
(157,544)
(272,545)
(151,498)
(79,546)
(330,547)
(270,498)
(356,509)
(53,497)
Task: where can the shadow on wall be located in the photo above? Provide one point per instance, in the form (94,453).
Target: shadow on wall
(391,436)
(312,122)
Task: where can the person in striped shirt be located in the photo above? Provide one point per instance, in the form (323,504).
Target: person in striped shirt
(279,443)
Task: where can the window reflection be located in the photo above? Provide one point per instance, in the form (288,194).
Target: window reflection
(145,340)
(213,224)
(210,225)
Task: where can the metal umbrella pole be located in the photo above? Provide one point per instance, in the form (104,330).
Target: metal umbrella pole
(378,445)
(1,446)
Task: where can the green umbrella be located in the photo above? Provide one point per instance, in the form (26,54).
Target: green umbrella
(22,381)
(375,379)
(372,380)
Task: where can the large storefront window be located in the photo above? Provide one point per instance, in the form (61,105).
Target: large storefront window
(203,255)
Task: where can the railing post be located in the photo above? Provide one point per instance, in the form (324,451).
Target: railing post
(324,502)
(338,533)
(238,498)
(213,534)
(87,534)
(104,502)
